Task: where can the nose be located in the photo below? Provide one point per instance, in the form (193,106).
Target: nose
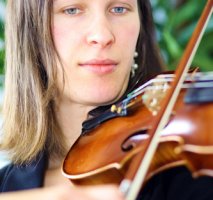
(100,33)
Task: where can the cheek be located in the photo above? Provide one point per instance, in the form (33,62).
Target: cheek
(128,40)
(128,36)
(64,31)
(65,43)
(133,33)
(59,36)
(66,39)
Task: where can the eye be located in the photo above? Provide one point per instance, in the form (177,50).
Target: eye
(72,11)
(119,10)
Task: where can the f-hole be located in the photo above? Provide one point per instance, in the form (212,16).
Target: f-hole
(130,142)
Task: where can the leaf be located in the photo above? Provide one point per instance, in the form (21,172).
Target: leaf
(172,45)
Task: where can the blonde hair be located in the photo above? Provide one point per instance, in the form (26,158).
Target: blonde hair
(29,123)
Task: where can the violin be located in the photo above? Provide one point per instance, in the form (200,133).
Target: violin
(165,123)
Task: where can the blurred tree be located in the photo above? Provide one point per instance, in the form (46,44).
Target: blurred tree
(175,21)
(2,18)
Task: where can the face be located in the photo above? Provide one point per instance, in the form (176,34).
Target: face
(95,40)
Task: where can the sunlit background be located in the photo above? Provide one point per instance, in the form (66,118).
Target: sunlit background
(175,21)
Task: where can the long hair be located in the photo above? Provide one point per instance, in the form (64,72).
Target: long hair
(29,121)
(149,58)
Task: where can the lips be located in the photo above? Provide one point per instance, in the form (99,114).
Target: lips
(104,66)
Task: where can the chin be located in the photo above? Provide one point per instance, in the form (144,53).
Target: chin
(102,95)
(106,99)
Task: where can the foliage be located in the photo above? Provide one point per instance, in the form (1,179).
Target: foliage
(2,51)
(175,21)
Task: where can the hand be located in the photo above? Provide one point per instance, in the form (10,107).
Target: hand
(66,193)
(96,193)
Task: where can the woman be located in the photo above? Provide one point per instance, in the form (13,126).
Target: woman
(65,58)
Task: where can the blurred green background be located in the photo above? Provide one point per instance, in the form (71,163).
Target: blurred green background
(2,19)
(175,21)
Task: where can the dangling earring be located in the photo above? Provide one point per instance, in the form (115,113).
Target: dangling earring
(134,65)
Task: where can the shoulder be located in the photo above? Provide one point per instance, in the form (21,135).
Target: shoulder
(178,184)
(4,173)
(20,177)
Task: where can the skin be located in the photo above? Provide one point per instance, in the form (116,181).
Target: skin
(66,193)
(84,31)
(95,40)
(95,29)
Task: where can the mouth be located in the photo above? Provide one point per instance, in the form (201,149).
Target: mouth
(101,67)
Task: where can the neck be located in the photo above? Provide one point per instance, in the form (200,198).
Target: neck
(70,117)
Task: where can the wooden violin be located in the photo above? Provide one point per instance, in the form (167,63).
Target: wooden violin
(165,123)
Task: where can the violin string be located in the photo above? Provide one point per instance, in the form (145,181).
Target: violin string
(135,183)
(199,77)
(135,98)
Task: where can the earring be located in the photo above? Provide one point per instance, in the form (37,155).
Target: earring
(134,65)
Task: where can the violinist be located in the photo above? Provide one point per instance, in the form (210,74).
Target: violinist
(65,61)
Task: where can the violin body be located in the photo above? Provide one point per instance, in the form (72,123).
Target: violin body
(102,154)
